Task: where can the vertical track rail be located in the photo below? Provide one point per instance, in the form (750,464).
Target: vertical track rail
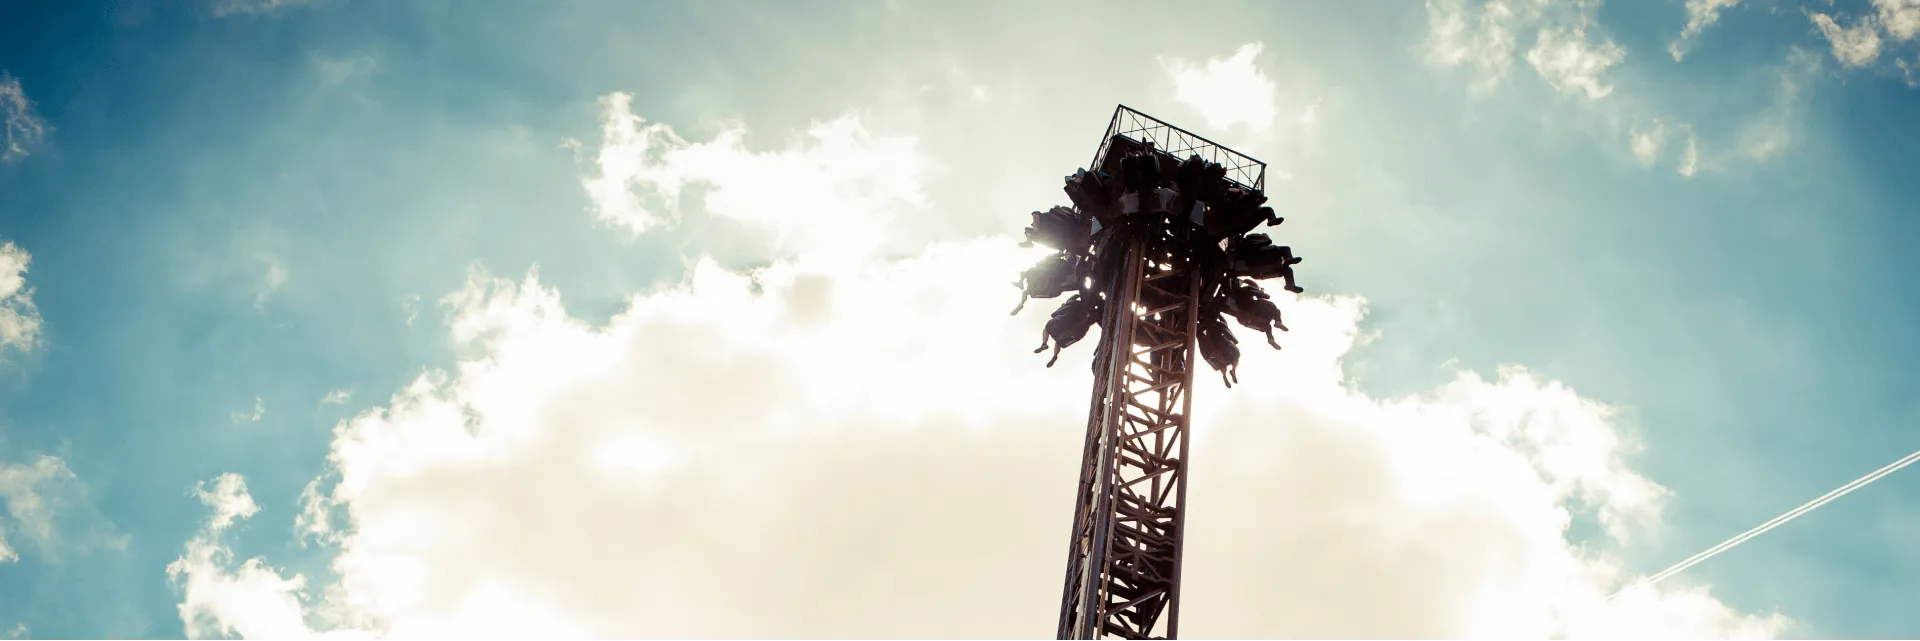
(1124,556)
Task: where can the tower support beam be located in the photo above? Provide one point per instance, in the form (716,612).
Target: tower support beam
(1157,250)
(1124,555)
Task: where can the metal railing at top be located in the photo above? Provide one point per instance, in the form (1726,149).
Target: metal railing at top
(1180,143)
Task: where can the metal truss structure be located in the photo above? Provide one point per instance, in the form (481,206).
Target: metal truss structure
(1123,568)
(1133,130)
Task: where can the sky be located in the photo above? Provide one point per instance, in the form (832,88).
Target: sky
(338,318)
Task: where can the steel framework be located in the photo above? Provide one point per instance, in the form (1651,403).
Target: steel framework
(1124,558)
(1134,129)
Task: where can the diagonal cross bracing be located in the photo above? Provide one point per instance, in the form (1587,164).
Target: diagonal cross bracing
(1124,560)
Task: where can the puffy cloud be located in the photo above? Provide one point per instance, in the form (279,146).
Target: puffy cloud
(259,411)
(48,505)
(1226,91)
(1486,38)
(339,396)
(826,447)
(19,318)
(410,305)
(1901,18)
(252,601)
(839,174)
(1700,15)
(24,128)
(565,472)
(1483,39)
(1233,94)
(1855,46)
(1690,158)
(270,282)
(1569,50)
(27,509)
(1891,23)
(631,152)
(1771,131)
(229,499)
(1646,143)
(1571,62)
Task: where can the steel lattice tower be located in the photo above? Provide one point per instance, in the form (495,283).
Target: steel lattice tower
(1124,559)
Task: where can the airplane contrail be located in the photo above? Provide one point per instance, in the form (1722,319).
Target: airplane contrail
(1777,521)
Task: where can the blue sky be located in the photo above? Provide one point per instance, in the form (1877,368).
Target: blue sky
(233,205)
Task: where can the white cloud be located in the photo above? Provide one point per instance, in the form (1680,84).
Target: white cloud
(337,397)
(1483,39)
(251,602)
(1226,91)
(1891,23)
(1570,51)
(584,469)
(844,448)
(1570,62)
(1235,95)
(315,521)
(259,411)
(1901,18)
(47,504)
(411,307)
(269,283)
(1690,158)
(1763,139)
(1854,46)
(1700,15)
(27,509)
(19,318)
(1646,143)
(1486,37)
(24,128)
(229,499)
(839,172)
(1775,128)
